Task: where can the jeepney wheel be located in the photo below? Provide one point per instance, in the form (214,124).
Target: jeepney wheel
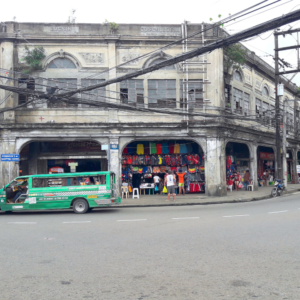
(80,206)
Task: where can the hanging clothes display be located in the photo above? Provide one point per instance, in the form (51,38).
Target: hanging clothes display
(176,149)
(165,148)
(158,148)
(183,149)
(171,148)
(153,148)
(140,149)
(190,148)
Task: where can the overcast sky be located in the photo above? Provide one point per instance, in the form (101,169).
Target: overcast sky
(160,11)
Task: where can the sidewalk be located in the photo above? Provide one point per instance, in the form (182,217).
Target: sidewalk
(202,199)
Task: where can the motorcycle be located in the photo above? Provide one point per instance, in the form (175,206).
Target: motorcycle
(278,188)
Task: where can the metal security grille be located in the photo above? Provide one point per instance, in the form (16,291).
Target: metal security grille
(238,101)
(132,92)
(96,94)
(194,91)
(162,93)
(246,104)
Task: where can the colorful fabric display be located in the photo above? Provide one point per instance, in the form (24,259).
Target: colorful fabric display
(158,148)
(176,149)
(184,160)
(140,149)
(190,148)
(147,160)
(192,169)
(147,149)
(135,169)
(202,168)
(183,149)
(140,171)
(135,161)
(190,159)
(165,148)
(129,159)
(153,148)
(184,169)
(173,161)
(173,168)
(141,160)
(156,170)
(159,160)
(171,148)
(196,159)
(168,160)
(162,169)
(178,160)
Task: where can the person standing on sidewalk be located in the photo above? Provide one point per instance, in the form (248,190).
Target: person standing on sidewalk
(247,179)
(170,181)
(181,182)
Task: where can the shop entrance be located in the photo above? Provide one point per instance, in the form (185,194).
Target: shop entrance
(62,157)
(265,165)
(146,163)
(237,164)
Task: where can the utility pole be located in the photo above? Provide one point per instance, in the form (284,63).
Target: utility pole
(278,172)
(282,171)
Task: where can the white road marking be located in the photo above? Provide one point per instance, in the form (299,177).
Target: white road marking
(187,218)
(277,212)
(235,216)
(22,222)
(76,222)
(132,220)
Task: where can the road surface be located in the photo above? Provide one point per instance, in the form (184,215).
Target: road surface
(228,251)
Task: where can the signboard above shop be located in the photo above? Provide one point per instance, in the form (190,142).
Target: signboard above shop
(267,156)
(9,157)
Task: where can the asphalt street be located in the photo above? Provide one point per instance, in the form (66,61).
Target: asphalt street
(226,251)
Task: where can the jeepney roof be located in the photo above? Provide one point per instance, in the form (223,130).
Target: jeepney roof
(81,174)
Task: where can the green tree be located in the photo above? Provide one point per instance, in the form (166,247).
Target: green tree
(234,57)
(33,58)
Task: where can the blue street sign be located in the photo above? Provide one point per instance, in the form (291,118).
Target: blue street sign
(114,146)
(10,157)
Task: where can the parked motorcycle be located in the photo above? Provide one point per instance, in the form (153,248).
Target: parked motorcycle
(278,188)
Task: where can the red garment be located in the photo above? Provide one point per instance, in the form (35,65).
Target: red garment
(196,159)
(178,159)
(190,158)
(125,151)
(173,168)
(158,148)
(229,182)
(129,159)
(168,160)
(171,148)
(229,161)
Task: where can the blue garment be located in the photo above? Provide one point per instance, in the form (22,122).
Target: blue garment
(145,170)
(165,148)
(183,149)
(131,149)
(190,149)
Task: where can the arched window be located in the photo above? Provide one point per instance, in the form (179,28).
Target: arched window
(159,60)
(265,92)
(237,76)
(62,63)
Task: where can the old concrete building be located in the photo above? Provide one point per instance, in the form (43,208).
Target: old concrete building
(49,133)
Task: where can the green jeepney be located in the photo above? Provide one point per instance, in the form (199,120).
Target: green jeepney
(80,191)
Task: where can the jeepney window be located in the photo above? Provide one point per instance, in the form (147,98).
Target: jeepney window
(68,181)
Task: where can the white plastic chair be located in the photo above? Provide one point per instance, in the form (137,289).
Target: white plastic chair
(135,195)
(251,185)
(125,191)
(229,187)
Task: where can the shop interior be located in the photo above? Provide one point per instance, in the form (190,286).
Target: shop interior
(237,163)
(265,165)
(143,160)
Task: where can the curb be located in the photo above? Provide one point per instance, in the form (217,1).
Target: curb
(204,203)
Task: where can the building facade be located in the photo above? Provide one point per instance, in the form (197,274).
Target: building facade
(188,103)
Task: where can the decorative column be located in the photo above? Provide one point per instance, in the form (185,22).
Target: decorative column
(253,165)
(114,162)
(215,168)
(9,170)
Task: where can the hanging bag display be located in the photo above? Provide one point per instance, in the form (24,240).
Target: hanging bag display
(165,190)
